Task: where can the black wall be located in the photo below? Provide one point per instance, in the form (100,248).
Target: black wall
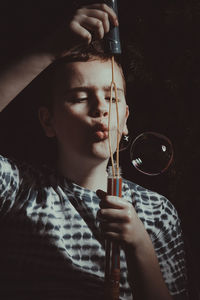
(161,55)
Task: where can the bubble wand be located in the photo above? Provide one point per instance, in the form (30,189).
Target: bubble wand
(112,263)
(151,153)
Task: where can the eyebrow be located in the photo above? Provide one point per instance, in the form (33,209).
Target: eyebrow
(107,88)
(88,89)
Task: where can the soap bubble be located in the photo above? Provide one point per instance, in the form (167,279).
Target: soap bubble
(151,153)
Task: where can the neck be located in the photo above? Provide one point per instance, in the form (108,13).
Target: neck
(88,175)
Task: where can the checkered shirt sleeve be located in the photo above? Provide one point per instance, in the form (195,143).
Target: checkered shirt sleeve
(169,247)
(162,222)
(9,183)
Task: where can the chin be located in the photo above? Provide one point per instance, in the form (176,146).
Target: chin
(100,150)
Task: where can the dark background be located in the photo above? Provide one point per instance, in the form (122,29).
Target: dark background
(161,55)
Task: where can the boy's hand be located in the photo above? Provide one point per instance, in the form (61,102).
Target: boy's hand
(119,221)
(89,22)
(92,21)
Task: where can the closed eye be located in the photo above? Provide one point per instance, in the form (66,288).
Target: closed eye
(78,100)
(113,99)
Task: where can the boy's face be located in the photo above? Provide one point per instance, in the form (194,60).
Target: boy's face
(79,119)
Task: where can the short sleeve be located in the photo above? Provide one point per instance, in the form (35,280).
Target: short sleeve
(169,247)
(162,223)
(9,182)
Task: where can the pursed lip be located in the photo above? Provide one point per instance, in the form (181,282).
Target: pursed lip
(100,131)
(100,127)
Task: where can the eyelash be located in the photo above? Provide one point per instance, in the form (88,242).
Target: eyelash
(79,100)
(113,99)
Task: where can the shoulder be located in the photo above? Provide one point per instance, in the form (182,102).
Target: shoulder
(162,222)
(24,174)
(7,164)
(21,184)
(9,174)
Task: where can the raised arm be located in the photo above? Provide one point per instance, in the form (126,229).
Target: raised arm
(88,22)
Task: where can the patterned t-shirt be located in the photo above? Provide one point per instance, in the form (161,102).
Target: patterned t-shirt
(50,243)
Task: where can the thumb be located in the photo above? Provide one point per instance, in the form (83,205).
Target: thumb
(101,194)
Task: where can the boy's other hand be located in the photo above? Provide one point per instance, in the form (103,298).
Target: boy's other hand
(93,21)
(88,23)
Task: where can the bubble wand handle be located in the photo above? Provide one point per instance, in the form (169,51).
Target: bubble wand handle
(112,270)
(112,46)
(112,39)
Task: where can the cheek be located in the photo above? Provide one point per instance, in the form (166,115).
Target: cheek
(122,118)
(68,127)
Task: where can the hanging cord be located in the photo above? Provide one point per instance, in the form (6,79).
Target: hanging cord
(113,85)
(112,249)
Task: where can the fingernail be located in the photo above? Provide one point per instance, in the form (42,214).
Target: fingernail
(100,193)
(116,22)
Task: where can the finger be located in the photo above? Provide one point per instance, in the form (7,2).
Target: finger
(110,227)
(111,236)
(101,194)
(103,203)
(110,201)
(103,16)
(103,7)
(99,15)
(93,25)
(115,215)
(81,32)
(114,202)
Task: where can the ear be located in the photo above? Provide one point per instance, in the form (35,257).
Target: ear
(125,130)
(45,118)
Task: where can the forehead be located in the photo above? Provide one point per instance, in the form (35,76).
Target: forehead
(94,73)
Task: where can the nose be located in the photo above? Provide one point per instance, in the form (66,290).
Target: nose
(99,107)
(99,113)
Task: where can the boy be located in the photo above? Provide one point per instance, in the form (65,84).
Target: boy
(51,245)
